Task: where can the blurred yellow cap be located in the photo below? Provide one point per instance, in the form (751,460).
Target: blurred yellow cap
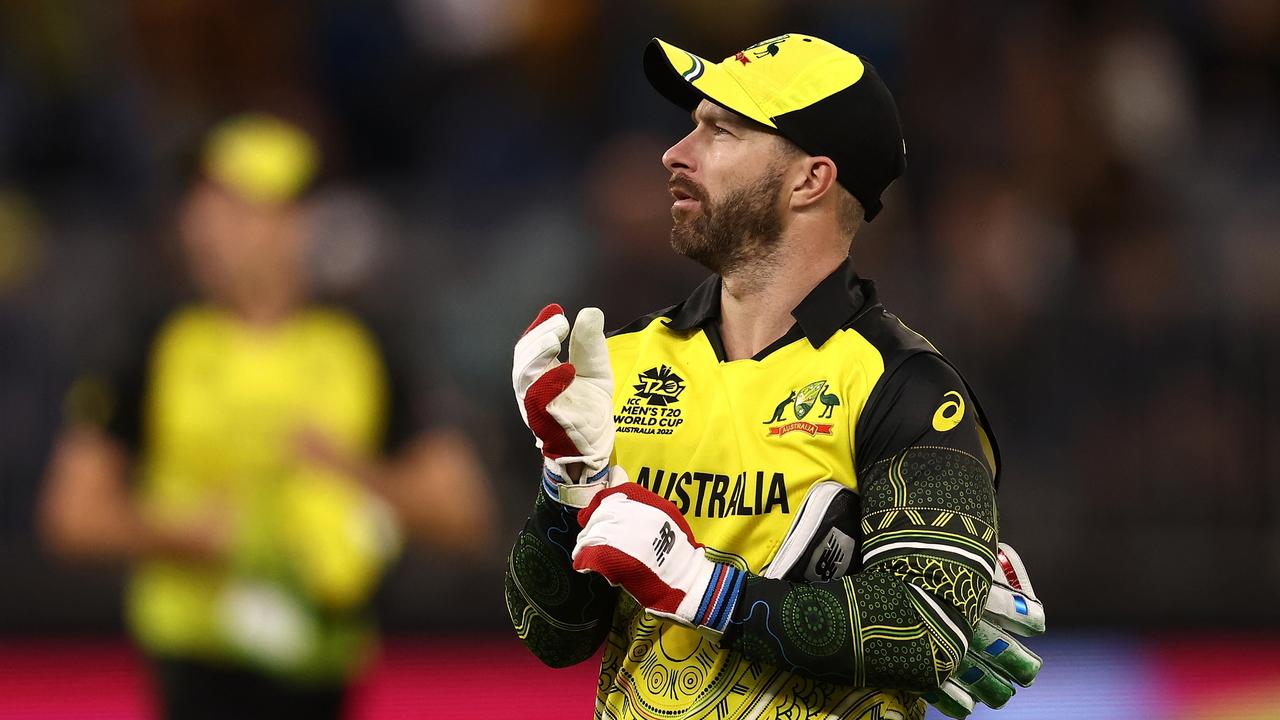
(261,157)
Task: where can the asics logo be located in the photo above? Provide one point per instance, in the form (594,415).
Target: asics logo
(664,542)
(949,413)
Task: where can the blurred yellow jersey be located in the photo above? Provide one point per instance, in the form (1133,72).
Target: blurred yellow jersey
(218,417)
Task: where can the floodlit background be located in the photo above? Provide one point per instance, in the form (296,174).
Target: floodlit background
(1089,227)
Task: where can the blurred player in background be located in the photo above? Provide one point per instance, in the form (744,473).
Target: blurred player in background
(812,526)
(255,461)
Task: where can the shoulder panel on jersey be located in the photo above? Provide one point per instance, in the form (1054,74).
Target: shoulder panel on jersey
(897,343)
(411,384)
(351,344)
(343,334)
(187,324)
(110,392)
(191,329)
(643,322)
(338,321)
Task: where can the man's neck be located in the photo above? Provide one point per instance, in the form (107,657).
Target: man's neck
(755,308)
(265,307)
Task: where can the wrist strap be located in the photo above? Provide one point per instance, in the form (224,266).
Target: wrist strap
(720,598)
(577,495)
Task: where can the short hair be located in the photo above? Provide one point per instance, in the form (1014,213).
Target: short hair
(849,212)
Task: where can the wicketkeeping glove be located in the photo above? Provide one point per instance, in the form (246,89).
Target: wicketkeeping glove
(568,406)
(640,542)
(996,659)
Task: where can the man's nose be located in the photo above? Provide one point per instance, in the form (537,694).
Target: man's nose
(677,157)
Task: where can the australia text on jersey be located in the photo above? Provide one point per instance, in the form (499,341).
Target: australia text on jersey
(709,494)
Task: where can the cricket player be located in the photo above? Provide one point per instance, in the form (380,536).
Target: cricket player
(255,461)
(773,499)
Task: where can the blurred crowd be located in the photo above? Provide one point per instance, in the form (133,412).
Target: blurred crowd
(1089,226)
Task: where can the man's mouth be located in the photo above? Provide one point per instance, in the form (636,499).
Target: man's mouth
(685,198)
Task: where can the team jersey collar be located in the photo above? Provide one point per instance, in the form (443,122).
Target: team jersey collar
(699,307)
(829,306)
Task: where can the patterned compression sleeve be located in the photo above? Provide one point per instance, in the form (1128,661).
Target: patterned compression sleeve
(561,615)
(928,542)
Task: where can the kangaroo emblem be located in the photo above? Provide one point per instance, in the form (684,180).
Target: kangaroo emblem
(782,408)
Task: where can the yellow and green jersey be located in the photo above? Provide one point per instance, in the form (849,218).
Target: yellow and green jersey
(212,409)
(878,606)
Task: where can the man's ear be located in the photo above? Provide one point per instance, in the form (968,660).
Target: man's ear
(816,182)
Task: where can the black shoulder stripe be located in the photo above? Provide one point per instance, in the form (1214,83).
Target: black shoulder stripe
(643,321)
(897,343)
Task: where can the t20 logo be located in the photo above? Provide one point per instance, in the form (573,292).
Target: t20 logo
(659,386)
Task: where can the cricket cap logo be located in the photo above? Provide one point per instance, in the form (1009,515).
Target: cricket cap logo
(768,48)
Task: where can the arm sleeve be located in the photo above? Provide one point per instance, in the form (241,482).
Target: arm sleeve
(561,615)
(928,546)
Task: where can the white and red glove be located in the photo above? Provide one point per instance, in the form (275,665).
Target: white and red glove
(996,658)
(568,406)
(640,542)
(1013,604)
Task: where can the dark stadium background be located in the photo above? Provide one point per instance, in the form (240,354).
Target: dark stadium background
(1089,227)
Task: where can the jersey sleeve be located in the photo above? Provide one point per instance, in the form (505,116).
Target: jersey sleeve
(562,616)
(410,407)
(927,531)
(109,393)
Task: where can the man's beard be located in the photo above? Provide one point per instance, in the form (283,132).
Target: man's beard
(739,231)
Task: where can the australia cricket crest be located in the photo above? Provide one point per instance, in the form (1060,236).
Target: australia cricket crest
(807,396)
(800,402)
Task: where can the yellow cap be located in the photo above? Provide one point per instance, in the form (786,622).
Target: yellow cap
(821,97)
(261,157)
(770,78)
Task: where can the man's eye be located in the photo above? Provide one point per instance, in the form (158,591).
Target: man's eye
(720,131)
